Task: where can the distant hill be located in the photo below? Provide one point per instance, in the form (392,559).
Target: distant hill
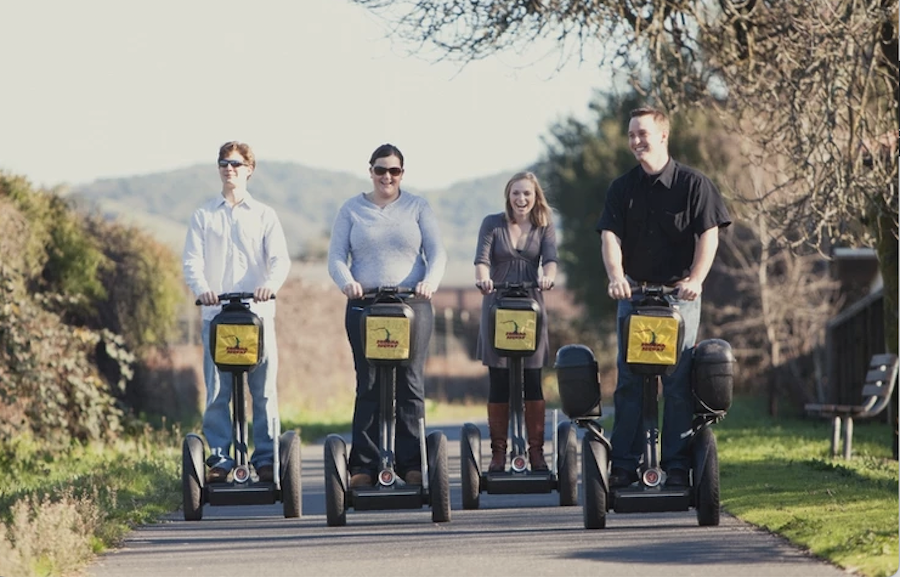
(307,200)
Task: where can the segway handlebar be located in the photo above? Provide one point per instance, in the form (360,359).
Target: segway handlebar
(647,289)
(231,297)
(381,291)
(515,285)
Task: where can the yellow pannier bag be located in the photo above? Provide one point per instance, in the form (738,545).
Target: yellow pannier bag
(387,338)
(515,330)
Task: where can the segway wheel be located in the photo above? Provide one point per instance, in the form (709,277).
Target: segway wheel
(470,465)
(192,477)
(705,455)
(567,463)
(289,447)
(336,481)
(594,460)
(438,476)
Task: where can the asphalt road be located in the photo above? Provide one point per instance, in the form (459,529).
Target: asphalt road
(508,535)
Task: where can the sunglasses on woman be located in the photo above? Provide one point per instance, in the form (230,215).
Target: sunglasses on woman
(382,170)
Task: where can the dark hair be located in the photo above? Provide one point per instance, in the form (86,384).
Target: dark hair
(241,148)
(384,151)
(662,121)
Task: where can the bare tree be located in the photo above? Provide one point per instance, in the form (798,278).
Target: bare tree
(811,87)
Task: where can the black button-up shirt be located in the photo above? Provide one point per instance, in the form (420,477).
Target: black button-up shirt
(659,218)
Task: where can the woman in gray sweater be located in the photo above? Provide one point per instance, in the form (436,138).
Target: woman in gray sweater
(517,245)
(387,237)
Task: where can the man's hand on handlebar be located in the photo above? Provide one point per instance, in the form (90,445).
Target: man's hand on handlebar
(688,289)
(619,289)
(263,294)
(209,298)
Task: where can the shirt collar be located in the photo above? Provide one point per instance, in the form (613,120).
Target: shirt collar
(248,201)
(665,177)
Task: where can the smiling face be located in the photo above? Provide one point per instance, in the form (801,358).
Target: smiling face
(520,198)
(648,142)
(234,170)
(387,183)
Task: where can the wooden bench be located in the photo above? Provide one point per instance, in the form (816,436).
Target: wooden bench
(876,394)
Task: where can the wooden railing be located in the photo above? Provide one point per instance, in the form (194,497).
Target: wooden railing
(851,339)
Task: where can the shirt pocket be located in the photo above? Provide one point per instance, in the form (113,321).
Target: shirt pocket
(676,225)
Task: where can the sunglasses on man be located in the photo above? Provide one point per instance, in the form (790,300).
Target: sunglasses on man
(232,163)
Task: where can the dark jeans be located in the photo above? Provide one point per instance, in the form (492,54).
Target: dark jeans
(678,403)
(410,394)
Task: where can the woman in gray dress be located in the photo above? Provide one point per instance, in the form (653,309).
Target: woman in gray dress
(517,245)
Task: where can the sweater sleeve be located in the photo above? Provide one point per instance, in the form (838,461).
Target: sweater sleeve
(339,249)
(435,254)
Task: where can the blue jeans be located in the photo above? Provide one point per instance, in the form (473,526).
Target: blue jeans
(262,382)
(628,437)
(410,395)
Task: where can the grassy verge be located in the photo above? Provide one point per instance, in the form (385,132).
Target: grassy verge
(60,508)
(779,475)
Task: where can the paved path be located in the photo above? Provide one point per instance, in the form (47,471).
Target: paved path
(509,535)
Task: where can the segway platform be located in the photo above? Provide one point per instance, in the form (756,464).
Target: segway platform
(506,483)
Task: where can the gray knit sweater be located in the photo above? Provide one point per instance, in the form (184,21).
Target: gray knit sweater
(398,245)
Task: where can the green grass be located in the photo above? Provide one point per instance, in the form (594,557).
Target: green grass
(779,475)
(59,508)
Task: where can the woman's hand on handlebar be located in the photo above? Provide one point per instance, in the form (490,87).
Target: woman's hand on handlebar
(353,290)
(424,290)
(619,289)
(545,283)
(486,286)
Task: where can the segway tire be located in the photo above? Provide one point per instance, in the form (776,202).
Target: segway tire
(336,481)
(470,466)
(438,476)
(567,475)
(192,477)
(594,459)
(291,469)
(705,456)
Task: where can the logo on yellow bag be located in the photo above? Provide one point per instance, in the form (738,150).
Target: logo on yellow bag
(514,330)
(387,338)
(237,345)
(652,340)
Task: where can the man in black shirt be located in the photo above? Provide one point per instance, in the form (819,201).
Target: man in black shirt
(660,225)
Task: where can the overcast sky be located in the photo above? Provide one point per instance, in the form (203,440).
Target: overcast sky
(109,88)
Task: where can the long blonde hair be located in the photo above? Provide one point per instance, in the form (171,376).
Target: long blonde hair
(540,214)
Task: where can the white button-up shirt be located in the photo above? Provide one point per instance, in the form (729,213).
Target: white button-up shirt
(235,249)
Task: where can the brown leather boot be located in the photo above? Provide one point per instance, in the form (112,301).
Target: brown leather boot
(534,427)
(498,424)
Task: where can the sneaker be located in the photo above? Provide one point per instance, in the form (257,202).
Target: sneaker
(361,480)
(413,477)
(677,478)
(266,474)
(621,478)
(217,475)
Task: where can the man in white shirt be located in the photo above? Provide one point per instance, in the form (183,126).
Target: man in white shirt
(236,244)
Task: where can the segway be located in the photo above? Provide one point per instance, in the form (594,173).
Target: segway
(515,325)
(236,343)
(388,341)
(654,333)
